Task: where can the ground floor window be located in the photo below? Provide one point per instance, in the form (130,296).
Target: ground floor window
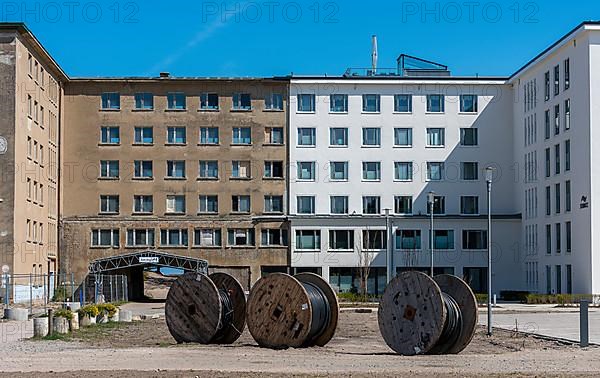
(347,280)
(476,278)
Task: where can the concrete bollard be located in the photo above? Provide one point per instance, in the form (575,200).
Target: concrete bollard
(584,333)
(87,321)
(74,322)
(125,316)
(17,314)
(40,327)
(60,326)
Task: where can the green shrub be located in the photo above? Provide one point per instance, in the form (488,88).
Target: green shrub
(514,295)
(89,310)
(60,294)
(559,299)
(481,298)
(107,309)
(354,297)
(63,313)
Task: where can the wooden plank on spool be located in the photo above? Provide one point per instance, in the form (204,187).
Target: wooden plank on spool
(411,313)
(193,309)
(279,312)
(334,308)
(232,286)
(464,296)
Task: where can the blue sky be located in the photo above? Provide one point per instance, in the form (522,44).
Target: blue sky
(277,37)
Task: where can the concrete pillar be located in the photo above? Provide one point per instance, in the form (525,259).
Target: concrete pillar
(17,314)
(254,274)
(40,327)
(125,316)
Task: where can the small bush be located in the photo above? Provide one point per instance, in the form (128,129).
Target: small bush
(108,309)
(89,310)
(60,294)
(481,298)
(354,297)
(514,295)
(63,313)
(559,299)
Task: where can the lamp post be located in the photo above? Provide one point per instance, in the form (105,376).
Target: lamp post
(489,173)
(6,283)
(389,250)
(431,200)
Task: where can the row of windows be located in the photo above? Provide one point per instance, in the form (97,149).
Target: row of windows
(557,117)
(35,192)
(557,80)
(42,78)
(558,242)
(557,159)
(371,103)
(371,137)
(409,239)
(203,237)
(207,169)
(557,198)
(403,205)
(372,171)
(35,151)
(178,101)
(176,204)
(177,135)
(35,232)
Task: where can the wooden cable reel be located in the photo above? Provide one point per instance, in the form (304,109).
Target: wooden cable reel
(423,315)
(206,309)
(299,311)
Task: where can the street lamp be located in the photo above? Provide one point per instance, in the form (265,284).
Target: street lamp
(389,250)
(5,283)
(489,173)
(431,200)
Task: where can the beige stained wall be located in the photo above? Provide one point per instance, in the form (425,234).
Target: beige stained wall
(83,153)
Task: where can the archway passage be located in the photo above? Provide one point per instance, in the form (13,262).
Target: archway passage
(132,266)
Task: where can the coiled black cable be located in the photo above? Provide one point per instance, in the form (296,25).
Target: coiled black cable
(226,312)
(321,312)
(452,326)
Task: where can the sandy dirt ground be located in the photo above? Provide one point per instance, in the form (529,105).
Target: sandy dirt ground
(145,349)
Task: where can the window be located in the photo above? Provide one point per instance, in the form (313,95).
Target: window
(29,147)
(557,198)
(105,238)
(403,103)
(548,239)
(403,171)
(240,169)
(439,205)
(557,159)
(143,135)
(371,171)
(208,169)
(547,123)
(548,201)
(469,137)
(556,80)
(109,204)
(443,239)
(469,171)
(306,170)
(174,238)
(567,155)
(109,135)
(341,240)
(371,103)
(307,136)
(435,171)
(403,205)
(140,237)
(568,237)
(306,103)
(242,101)
(176,101)
(176,169)
(408,239)
(402,137)
(209,135)
(435,103)
(371,205)
(273,135)
(144,101)
(175,204)
(209,101)
(273,170)
(29,106)
(339,204)
(338,137)
(474,239)
(240,204)
(374,239)
(567,67)
(242,135)
(273,204)
(468,104)
(371,136)
(273,237)
(567,114)
(556,119)
(547,86)
(305,204)
(469,205)
(557,237)
(338,103)
(308,240)
(109,169)
(435,137)
(240,237)
(111,101)
(208,204)
(339,170)
(567,196)
(176,135)
(208,237)
(143,204)
(547,166)
(274,101)
(142,169)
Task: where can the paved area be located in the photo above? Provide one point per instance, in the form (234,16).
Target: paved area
(146,308)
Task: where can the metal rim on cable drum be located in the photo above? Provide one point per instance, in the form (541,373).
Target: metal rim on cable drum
(421,315)
(206,309)
(285,311)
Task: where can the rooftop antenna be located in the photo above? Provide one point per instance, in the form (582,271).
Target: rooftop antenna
(374,56)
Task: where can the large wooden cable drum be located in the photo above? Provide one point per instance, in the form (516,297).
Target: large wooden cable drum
(285,311)
(419,316)
(206,309)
